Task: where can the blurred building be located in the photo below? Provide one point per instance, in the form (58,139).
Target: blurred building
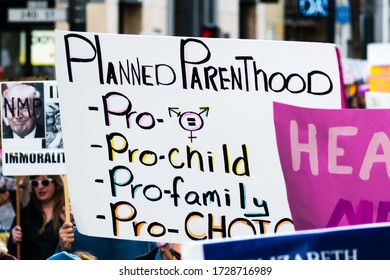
(26,26)
(233,18)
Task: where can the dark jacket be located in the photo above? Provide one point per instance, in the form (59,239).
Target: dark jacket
(110,248)
(39,133)
(154,254)
(34,246)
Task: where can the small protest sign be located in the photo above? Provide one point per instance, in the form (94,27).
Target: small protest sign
(31,129)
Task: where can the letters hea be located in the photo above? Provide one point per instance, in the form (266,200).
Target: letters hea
(379,139)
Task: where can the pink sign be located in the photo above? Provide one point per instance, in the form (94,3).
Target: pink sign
(336,164)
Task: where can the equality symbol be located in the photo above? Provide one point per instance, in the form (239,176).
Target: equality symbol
(190,121)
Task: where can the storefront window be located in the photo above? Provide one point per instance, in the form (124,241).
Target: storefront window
(25,55)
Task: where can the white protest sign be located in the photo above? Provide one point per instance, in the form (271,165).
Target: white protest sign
(172,139)
(377,99)
(31,129)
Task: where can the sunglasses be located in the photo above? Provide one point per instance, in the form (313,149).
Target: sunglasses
(45,182)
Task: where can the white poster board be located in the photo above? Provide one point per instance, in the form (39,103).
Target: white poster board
(377,99)
(41,151)
(378,54)
(172,139)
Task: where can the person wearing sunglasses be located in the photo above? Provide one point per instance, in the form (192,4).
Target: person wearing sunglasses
(40,219)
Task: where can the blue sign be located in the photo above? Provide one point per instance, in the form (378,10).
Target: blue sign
(342,14)
(363,242)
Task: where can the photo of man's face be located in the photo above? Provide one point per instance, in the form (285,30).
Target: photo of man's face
(22,108)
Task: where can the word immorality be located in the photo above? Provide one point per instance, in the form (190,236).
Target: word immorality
(34,158)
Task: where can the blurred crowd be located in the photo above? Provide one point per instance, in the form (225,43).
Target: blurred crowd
(355,94)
